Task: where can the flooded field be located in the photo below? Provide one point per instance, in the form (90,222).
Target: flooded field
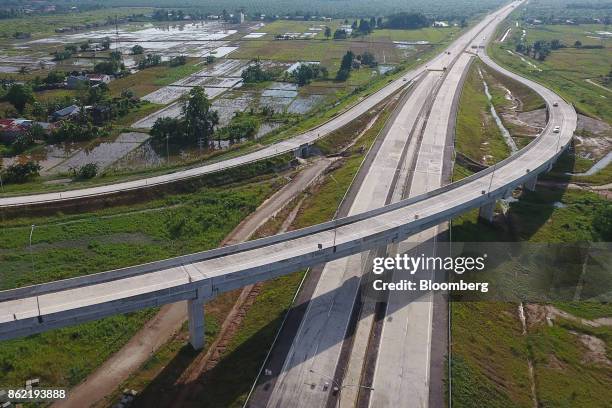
(103,154)
(61,158)
(215,79)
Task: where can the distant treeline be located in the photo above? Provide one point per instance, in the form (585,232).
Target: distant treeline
(592,6)
(335,8)
(407,21)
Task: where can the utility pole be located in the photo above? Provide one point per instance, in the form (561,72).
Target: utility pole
(31,254)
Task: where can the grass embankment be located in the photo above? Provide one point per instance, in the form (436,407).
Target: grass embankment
(65,246)
(229,382)
(476,133)
(489,352)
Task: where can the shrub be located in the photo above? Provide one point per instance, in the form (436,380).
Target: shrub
(85,172)
(20,172)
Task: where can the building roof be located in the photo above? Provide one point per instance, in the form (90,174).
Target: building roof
(69,110)
(11,125)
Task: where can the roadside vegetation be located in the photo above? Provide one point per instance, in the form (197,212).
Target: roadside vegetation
(491,354)
(64,246)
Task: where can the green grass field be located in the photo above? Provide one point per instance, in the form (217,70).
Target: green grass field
(151,79)
(40,26)
(566,70)
(72,245)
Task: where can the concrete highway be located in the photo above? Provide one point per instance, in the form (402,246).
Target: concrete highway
(371,225)
(315,351)
(295,144)
(401,375)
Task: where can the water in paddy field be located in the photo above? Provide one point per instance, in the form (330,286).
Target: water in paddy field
(60,158)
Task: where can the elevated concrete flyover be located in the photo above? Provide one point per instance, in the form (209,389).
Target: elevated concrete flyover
(199,277)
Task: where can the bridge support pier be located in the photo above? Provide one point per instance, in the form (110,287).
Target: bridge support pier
(530,184)
(486,211)
(302,151)
(195,312)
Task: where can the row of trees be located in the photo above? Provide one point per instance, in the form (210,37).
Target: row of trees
(540,49)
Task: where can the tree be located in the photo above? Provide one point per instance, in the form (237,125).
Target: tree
(242,126)
(407,21)
(84,46)
(328,32)
(603,221)
(340,34)
(85,172)
(19,96)
(578,44)
(367,58)
(107,67)
(177,61)
(364,27)
(20,172)
(345,66)
(24,70)
(115,55)
(347,60)
(106,43)
(254,73)
(167,128)
(55,77)
(22,142)
(372,23)
(379,22)
(38,110)
(210,59)
(200,120)
(342,74)
(151,60)
(137,49)
(304,73)
(97,94)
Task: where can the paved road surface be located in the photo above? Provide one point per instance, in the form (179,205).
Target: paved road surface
(312,360)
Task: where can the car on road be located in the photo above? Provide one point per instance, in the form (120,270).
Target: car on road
(556,129)
(555,103)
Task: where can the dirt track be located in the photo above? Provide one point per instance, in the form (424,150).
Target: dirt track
(168,321)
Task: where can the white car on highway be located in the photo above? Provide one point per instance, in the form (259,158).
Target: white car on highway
(556,129)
